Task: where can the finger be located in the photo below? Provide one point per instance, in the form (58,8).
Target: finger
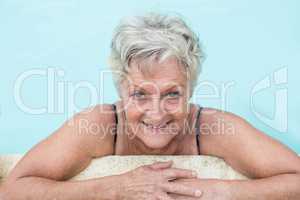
(161,165)
(164,196)
(181,189)
(174,173)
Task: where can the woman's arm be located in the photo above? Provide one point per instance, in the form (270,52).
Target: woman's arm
(274,168)
(36,188)
(279,187)
(42,171)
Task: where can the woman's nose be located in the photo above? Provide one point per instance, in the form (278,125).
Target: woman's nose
(156,107)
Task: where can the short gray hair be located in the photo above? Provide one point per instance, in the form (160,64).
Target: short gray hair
(155,35)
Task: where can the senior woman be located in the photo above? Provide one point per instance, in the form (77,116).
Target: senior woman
(156,60)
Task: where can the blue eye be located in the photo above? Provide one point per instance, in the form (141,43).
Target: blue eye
(138,94)
(173,94)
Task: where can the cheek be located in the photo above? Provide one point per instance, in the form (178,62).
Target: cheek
(178,110)
(175,106)
(180,118)
(133,114)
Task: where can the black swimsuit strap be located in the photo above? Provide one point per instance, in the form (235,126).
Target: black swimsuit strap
(198,129)
(116,121)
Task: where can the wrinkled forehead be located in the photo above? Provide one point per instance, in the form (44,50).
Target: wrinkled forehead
(167,71)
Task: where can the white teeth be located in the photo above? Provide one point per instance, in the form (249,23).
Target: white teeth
(154,127)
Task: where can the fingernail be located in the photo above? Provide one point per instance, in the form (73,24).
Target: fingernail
(198,193)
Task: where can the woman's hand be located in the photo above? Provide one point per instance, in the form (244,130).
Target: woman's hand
(211,189)
(155,182)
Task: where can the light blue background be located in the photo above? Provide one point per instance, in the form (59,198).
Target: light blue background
(244,42)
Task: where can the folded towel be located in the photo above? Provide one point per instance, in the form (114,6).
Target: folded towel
(206,166)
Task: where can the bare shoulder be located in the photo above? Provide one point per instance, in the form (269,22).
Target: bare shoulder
(218,122)
(249,150)
(97,126)
(215,127)
(70,148)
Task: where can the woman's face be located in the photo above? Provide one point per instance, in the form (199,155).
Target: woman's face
(155,102)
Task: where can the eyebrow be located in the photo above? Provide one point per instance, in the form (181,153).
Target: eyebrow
(164,90)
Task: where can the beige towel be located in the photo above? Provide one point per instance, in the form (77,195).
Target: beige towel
(206,166)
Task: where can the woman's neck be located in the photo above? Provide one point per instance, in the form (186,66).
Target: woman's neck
(137,147)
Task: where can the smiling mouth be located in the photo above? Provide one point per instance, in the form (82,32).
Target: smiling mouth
(159,127)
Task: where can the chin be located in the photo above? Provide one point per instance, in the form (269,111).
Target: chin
(156,144)
(156,141)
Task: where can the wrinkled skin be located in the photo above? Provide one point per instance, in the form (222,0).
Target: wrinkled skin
(156,182)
